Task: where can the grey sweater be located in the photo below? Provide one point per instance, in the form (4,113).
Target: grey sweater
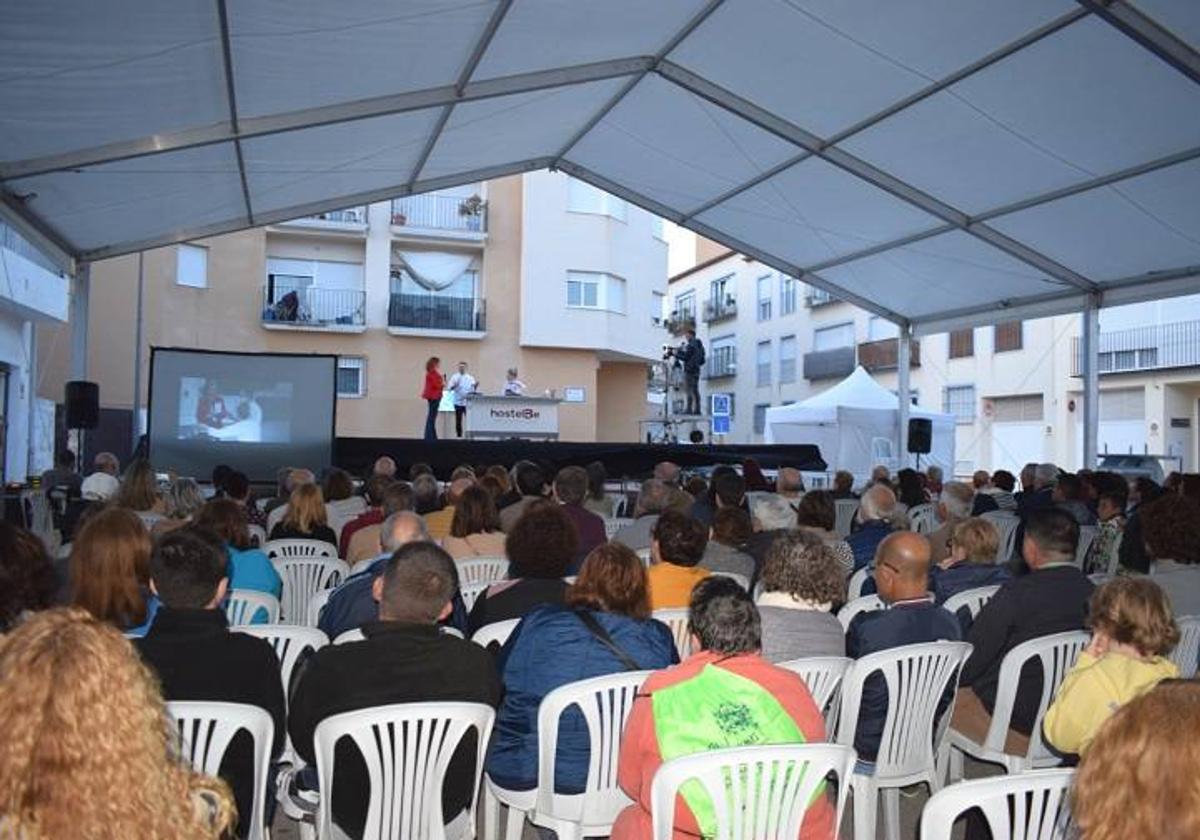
(789,633)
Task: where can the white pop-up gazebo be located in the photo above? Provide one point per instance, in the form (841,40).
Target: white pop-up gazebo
(855,424)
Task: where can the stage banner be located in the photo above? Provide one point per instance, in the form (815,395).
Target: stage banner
(512,417)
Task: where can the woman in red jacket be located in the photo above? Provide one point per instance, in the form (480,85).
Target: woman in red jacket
(434,383)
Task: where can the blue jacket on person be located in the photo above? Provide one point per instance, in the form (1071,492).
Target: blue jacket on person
(550,648)
(866,539)
(353,604)
(250,568)
(946,583)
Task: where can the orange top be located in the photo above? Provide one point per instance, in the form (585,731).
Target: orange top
(671,585)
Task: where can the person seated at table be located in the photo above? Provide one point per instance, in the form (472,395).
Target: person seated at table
(305,518)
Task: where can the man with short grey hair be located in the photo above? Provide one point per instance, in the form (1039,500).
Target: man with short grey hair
(774,514)
(789,483)
(652,500)
(875,513)
(1045,476)
(953,508)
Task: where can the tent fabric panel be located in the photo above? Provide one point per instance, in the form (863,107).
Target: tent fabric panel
(1148,223)
(674,147)
(950,271)
(543,34)
(290,55)
(299,167)
(1181,17)
(814,211)
(122,201)
(76,75)
(518,127)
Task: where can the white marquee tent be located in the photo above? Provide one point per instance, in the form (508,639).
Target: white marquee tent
(940,163)
(855,425)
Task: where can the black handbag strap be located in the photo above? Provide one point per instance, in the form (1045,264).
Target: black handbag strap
(594,627)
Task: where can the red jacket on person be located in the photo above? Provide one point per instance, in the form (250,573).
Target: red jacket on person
(433,385)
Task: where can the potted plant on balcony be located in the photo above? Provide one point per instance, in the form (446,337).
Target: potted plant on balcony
(472,210)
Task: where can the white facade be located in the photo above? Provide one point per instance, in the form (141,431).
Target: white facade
(1015,405)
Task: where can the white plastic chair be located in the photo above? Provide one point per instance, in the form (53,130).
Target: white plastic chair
(354,634)
(291,549)
(741,580)
(758,793)
(362,565)
(205,731)
(244,604)
(1007,524)
(616,523)
(917,678)
(1057,653)
(497,631)
(854,589)
(866,603)
(1028,806)
(471,591)
(823,675)
(676,619)
(1188,650)
(258,533)
(303,578)
(605,703)
(482,570)
(315,604)
(923,518)
(407,748)
(289,641)
(646,555)
(844,510)
(1087,534)
(971,599)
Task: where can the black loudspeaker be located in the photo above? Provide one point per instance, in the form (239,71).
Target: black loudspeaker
(920,435)
(83,405)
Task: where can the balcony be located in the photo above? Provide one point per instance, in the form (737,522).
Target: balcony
(818,297)
(465,316)
(719,310)
(1153,347)
(440,215)
(884,354)
(313,308)
(829,364)
(721,364)
(352,221)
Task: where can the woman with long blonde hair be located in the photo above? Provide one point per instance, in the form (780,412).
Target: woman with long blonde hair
(110,570)
(88,750)
(306,518)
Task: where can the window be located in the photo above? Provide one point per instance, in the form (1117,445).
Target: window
(764,298)
(1112,360)
(722,357)
(718,291)
(787,294)
(656,227)
(1020,409)
(760,417)
(351,376)
(787,359)
(962,343)
(881,328)
(1007,336)
(764,363)
(914,395)
(959,400)
(595,290)
(685,307)
(658,302)
(584,198)
(191,266)
(831,338)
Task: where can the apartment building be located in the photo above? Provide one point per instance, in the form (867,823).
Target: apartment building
(1014,387)
(539,272)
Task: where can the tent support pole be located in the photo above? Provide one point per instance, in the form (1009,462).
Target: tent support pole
(1089,349)
(903,358)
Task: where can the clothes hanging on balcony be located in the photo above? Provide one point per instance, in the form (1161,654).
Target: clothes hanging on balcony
(435,270)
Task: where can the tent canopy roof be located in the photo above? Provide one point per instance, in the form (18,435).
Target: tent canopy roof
(938,163)
(859,390)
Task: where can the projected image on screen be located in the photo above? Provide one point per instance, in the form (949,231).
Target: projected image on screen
(241,411)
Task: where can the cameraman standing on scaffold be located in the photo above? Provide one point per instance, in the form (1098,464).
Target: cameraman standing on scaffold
(691,355)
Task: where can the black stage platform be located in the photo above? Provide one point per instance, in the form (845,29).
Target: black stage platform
(622,460)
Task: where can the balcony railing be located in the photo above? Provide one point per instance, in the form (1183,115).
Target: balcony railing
(348,218)
(440,212)
(308,307)
(1144,348)
(817,297)
(719,310)
(721,364)
(829,364)
(884,354)
(437,312)
(11,239)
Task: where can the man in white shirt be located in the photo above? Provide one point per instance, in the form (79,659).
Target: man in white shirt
(462,385)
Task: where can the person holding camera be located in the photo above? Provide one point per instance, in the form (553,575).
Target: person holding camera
(691,356)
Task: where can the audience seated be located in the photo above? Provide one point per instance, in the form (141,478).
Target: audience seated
(106,462)
(1110,511)
(724,695)
(237,489)
(1132,633)
(843,485)
(385,468)
(756,481)
(679,498)
(541,547)
(352,603)
(774,515)
(475,529)
(139,492)
(342,504)
(970,565)
(726,489)
(62,474)
(874,516)
(1170,526)
(528,487)
(911,617)
(676,550)
(182,500)
(249,566)
(603,628)
(598,501)
(1041,496)
(305,517)
(1052,598)
(880,474)
(933,479)
(652,500)
(953,508)
(88,751)
(373,492)
(194,655)
(910,490)
(27,579)
(789,483)
(570,490)
(403,659)
(365,543)
(110,570)
(296,478)
(438,522)
(729,533)
(817,514)
(283,489)
(802,581)
(1139,777)
(994,494)
(1068,495)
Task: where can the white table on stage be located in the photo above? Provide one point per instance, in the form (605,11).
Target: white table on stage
(496,418)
